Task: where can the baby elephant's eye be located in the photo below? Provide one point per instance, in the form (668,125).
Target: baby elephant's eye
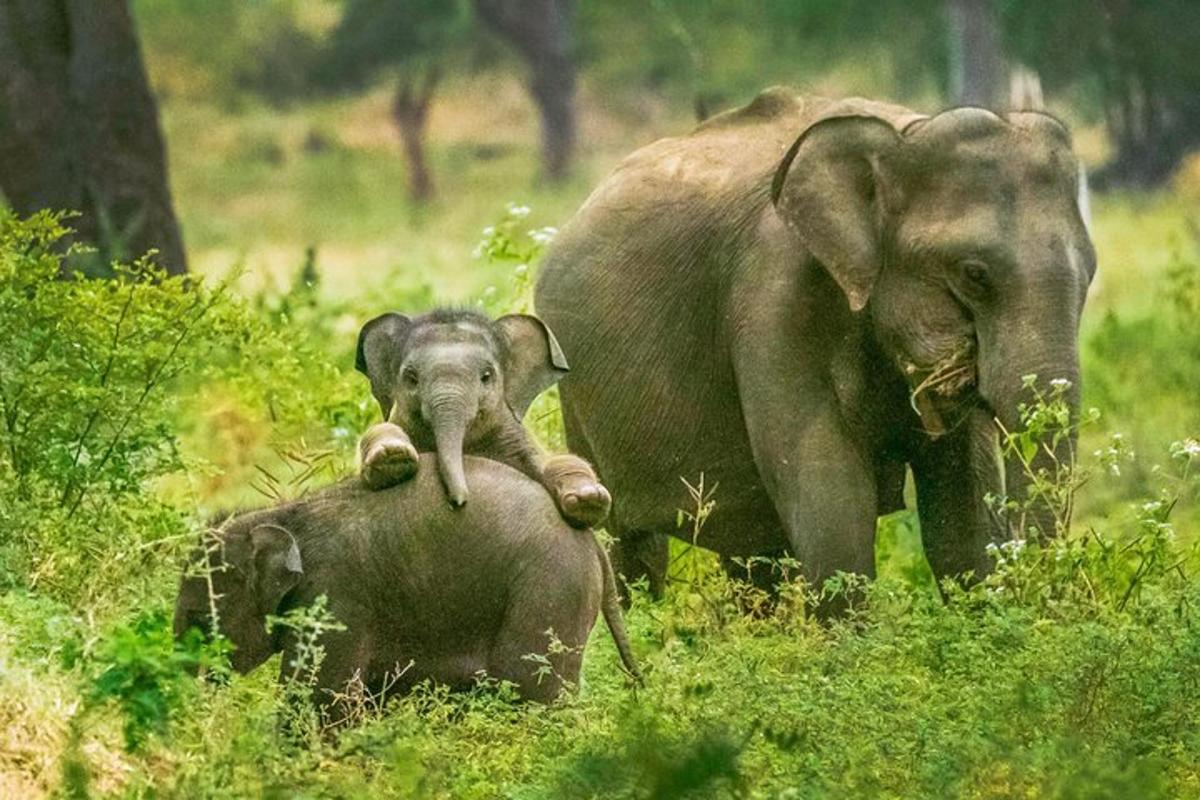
(487,375)
(409,376)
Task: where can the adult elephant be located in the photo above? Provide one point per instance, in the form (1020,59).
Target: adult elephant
(768,300)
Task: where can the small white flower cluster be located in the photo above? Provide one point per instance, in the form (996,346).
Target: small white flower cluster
(519,212)
(1188,448)
(1005,551)
(1060,385)
(1112,456)
(543,236)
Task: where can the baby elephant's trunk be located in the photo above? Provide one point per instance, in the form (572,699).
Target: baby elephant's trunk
(449,428)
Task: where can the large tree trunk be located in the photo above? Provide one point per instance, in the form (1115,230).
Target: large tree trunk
(976,55)
(79,126)
(540,30)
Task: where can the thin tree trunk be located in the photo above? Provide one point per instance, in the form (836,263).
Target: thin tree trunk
(540,30)
(976,55)
(79,126)
(410,110)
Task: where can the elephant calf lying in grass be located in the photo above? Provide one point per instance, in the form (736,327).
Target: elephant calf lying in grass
(425,591)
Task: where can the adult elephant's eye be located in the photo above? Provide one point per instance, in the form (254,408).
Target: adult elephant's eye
(976,274)
(487,375)
(409,376)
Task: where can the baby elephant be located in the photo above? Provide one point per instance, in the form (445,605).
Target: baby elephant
(424,591)
(454,382)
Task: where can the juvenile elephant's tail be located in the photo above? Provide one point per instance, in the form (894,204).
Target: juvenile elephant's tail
(610,606)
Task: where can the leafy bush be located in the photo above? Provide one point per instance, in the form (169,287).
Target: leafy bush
(86,405)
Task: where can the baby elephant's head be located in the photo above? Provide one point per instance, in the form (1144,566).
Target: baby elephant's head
(453,378)
(243,573)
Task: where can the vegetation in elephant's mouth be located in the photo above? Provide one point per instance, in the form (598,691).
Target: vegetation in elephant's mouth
(947,378)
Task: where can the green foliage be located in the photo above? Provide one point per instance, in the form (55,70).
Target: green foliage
(1147,365)
(85,404)
(148,674)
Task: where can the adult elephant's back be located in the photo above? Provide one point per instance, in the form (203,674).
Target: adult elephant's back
(637,288)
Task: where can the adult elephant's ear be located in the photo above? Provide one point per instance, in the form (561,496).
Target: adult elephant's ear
(532,360)
(277,565)
(827,190)
(380,346)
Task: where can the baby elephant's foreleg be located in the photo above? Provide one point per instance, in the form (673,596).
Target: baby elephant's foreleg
(582,499)
(386,456)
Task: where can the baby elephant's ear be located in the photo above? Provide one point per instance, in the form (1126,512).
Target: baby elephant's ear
(277,566)
(380,345)
(533,361)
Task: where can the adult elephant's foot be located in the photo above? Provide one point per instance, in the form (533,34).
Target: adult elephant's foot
(388,457)
(581,497)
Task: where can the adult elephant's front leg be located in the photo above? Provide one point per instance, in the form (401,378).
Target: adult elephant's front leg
(954,474)
(823,486)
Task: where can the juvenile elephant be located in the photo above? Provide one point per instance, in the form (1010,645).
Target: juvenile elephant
(424,591)
(801,298)
(453,381)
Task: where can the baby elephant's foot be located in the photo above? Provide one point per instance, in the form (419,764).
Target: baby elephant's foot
(388,459)
(582,499)
(585,506)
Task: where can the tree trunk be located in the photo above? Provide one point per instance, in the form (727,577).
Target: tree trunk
(976,56)
(540,30)
(410,110)
(79,126)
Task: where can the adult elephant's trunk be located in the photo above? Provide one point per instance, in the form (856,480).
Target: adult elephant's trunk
(1049,513)
(449,419)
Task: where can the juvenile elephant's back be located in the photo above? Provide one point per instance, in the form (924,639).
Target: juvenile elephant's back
(410,539)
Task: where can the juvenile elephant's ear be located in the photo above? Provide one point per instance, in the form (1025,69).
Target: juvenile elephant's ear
(277,566)
(827,190)
(533,361)
(380,344)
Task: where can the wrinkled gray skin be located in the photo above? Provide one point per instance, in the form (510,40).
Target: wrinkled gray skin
(455,593)
(757,300)
(454,381)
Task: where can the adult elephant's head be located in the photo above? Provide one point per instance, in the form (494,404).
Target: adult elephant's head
(961,236)
(454,378)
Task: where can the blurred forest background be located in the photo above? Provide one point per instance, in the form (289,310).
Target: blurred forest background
(379,131)
(302,165)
